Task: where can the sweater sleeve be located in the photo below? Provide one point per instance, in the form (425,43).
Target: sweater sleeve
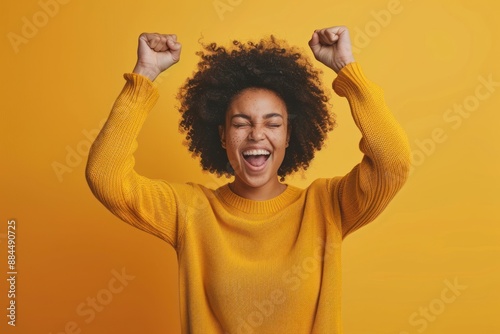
(368,188)
(144,203)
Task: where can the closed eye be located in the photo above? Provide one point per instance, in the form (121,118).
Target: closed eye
(240,125)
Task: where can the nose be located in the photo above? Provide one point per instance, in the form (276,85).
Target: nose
(256,133)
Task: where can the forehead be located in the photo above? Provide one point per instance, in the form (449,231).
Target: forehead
(257,102)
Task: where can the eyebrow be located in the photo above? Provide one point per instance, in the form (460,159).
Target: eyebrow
(266,116)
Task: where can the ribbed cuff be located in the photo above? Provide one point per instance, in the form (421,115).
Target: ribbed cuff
(139,90)
(350,80)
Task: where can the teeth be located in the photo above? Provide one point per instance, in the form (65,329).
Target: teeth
(256,152)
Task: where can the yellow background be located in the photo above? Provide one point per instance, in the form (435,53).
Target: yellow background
(442,228)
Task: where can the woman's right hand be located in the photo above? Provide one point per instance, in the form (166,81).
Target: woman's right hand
(156,53)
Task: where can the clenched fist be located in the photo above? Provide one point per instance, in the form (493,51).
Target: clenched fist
(156,53)
(332,47)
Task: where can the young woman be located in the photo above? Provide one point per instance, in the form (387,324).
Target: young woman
(256,255)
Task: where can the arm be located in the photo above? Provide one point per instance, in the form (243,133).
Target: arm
(365,191)
(144,203)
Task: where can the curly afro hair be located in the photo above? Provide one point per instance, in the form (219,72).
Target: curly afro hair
(269,64)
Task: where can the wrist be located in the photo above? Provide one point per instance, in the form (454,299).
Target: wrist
(146,71)
(340,63)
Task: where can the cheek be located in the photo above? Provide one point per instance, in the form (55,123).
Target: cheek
(278,138)
(234,140)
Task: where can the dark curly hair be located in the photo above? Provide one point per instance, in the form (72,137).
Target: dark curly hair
(270,64)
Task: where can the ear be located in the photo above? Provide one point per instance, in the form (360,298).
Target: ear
(222,136)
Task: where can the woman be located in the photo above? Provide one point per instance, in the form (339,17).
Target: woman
(256,255)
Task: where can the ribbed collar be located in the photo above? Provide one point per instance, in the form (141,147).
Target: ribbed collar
(273,205)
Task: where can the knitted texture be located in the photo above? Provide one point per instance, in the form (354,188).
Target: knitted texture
(249,266)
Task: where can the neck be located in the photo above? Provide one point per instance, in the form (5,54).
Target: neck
(262,193)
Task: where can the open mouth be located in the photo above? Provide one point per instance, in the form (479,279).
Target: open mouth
(256,158)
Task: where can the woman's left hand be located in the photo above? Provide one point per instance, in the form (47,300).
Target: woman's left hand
(332,47)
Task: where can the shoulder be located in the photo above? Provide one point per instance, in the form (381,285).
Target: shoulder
(189,193)
(323,186)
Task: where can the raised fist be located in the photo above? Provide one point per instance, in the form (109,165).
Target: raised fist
(156,53)
(332,47)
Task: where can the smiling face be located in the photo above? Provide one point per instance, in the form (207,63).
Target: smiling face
(255,136)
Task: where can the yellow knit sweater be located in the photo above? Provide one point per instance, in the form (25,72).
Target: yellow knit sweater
(254,266)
